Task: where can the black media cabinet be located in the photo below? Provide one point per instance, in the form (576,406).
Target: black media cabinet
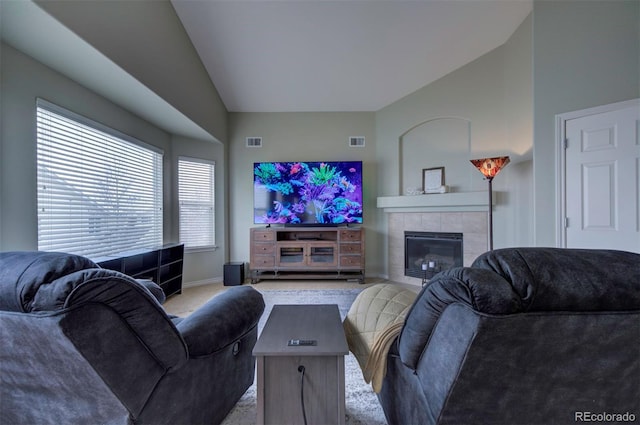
(163,265)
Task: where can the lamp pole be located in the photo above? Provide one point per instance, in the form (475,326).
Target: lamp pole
(490,214)
(490,167)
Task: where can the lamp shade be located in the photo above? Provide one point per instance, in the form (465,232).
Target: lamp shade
(490,167)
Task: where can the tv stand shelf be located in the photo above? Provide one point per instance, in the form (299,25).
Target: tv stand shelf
(307,253)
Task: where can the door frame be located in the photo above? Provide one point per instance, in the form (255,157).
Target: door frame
(561,160)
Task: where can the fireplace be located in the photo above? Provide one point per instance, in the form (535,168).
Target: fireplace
(427,253)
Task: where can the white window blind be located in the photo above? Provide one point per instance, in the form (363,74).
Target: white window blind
(196,179)
(99,191)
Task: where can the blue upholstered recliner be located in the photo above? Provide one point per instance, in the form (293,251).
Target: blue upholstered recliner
(84,345)
(523,336)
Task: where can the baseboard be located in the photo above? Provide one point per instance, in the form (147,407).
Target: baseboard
(201,282)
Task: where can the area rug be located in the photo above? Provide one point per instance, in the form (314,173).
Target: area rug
(342,297)
(362,405)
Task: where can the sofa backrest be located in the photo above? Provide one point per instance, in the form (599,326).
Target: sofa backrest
(558,279)
(517,280)
(24,274)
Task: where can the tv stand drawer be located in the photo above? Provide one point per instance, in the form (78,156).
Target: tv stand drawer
(262,262)
(350,261)
(350,248)
(264,249)
(350,235)
(263,235)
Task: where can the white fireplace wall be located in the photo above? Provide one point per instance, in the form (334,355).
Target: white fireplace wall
(472,225)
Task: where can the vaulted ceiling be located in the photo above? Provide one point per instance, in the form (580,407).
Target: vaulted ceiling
(345,55)
(284,55)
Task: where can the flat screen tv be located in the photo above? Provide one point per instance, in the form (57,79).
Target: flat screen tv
(307,193)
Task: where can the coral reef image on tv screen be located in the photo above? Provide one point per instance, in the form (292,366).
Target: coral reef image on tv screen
(307,192)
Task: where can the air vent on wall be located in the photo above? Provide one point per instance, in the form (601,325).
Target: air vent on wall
(356,142)
(254,142)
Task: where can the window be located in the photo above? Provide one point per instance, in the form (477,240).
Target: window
(196,179)
(99,191)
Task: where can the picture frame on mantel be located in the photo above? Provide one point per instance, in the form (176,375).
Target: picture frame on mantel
(432,179)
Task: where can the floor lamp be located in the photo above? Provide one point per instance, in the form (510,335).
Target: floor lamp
(490,167)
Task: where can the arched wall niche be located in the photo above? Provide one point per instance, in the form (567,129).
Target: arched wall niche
(436,142)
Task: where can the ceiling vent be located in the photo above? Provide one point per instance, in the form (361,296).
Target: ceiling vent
(356,142)
(254,142)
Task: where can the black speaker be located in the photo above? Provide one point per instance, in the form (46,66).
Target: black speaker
(233,274)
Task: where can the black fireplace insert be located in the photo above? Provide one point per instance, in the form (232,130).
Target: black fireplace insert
(427,253)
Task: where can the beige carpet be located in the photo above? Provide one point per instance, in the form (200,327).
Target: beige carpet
(361,403)
(194,296)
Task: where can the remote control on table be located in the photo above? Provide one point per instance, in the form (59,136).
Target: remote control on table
(301,342)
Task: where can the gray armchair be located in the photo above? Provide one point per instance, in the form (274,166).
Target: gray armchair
(84,345)
(523,336)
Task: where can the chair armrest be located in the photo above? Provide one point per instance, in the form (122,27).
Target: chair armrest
(155,290)
(482,290)
(223,320)
(129,299)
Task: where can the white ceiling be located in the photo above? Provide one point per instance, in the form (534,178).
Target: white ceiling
(345,55)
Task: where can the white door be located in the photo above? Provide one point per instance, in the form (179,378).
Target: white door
(603,179)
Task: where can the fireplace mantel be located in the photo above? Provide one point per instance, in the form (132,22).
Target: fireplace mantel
(438,202)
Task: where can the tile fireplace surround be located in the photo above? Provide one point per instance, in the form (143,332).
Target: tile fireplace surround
(404,214)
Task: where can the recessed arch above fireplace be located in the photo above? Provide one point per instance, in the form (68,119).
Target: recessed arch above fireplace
(436,142)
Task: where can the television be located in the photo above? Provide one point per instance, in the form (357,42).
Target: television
(307,193)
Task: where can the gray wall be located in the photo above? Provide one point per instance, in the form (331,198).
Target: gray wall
(494,94)
(143,40)
(586,53)
(23,80)
(566,56)
(298,136)
(202,266)
(148,41)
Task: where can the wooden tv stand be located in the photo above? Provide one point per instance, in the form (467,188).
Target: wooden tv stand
(307,253)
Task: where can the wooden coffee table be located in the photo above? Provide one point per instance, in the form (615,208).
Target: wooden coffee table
(279,379)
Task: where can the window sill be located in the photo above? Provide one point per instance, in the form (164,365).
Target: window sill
(200,249)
